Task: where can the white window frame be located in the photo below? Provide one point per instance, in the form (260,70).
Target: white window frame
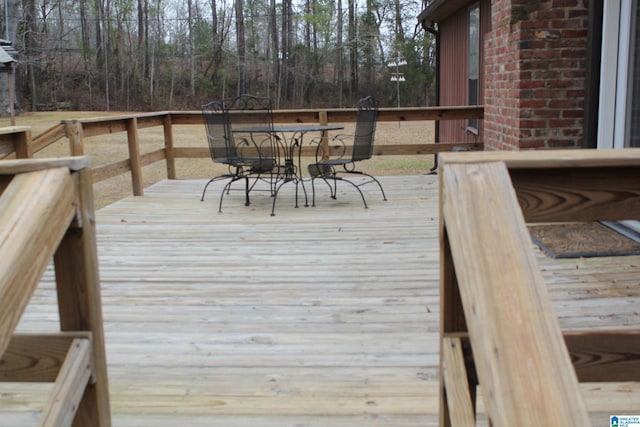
(615,106)
(614,72)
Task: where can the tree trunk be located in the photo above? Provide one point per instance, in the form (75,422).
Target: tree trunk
(192,53)
(340,55)
(353,49)
(31,50)
(287,50)
(216,47)
(241,46)
(142,33)
(275,50)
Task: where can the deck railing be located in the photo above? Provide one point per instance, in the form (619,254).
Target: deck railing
(498,328)
(18,141)
(46,211)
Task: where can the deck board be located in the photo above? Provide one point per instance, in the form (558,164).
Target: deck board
(319,316)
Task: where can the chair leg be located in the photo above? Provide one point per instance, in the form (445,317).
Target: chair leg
(275,195)
(334,189)
(275,198)
(372,178)
(384,196)
(246,191)
(357,187)
(304,190)
(225,189)
(313,192)
(206,185)
(215,178)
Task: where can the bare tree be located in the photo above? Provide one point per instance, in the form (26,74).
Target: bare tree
(31,44)
(241,47)
(274,48)
(340,54)
(130,56)
(352,35)
(288,60)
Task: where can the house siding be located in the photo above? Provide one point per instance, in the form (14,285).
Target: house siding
(454,65)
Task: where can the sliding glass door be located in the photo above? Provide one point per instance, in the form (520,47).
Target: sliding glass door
(619,109)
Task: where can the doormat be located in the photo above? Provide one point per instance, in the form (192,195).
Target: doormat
(590,239)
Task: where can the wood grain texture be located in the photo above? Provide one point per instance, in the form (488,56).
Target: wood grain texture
(12,167)
(549,159)
(317,317)
(520,357)
(35,210)
(461,408)
(69,387)
(600,356)
(80,302)
(576,185)
(36,357)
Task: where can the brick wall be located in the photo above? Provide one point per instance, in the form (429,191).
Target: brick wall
(535,72)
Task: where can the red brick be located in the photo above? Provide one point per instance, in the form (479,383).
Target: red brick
(566,123)
(582,33)
(532,103)
(564,3)
(572,132)
(559,84)
(533,124)
(531,84)
(560,143)
(572,114)
(562,103)
(535,143)
(577,74)
(547,113)
(545,93)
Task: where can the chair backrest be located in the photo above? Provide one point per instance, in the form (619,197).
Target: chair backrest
(365,129)
(252,112)
(218,128)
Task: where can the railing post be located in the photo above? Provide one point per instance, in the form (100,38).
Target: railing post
(73,131)
(134,156)
(22,144)
(168,146)
(322,116)
(79,300)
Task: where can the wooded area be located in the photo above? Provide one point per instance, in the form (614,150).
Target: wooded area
(145,55)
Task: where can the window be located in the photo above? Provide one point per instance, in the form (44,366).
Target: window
(474,58)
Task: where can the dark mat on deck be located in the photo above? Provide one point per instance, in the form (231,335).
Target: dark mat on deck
(590,239)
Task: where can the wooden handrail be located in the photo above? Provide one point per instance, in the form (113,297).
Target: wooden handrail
(494,296)
(46,211)
(20,143)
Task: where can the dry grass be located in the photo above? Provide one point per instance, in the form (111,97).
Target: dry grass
(109,148)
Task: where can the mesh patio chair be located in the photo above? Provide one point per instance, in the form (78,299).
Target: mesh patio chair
(329,168)
(251,119)
(225,149)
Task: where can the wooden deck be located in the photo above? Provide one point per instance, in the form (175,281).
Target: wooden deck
(325,316)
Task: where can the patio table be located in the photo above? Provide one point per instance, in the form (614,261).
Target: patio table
(292,137)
